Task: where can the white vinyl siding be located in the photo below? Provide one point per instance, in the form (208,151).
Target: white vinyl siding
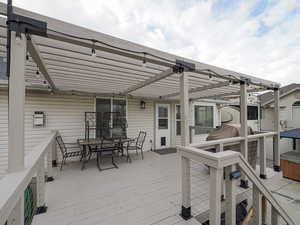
(141,119)
(64,113)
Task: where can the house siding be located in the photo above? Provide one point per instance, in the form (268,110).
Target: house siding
(63,112)
(141,119)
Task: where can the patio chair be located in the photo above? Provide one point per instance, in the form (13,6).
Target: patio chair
(68,150)
(136,145)
(107,147)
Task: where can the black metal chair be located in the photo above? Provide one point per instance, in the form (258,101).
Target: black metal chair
(107,147)
(137,145)
(68,150)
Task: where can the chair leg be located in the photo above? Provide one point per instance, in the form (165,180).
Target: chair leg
(128,156)
(142,153)
(62,163)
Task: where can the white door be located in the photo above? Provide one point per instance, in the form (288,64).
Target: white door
(163,130)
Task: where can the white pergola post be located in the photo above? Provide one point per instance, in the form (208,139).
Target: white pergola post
(185,162)
(244,127)
(276,138)
(16,117)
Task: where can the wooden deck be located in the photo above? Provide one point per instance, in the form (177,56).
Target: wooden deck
(143,192)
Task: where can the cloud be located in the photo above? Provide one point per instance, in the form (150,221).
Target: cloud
(259,37)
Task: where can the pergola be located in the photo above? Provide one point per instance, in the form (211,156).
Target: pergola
(74,60)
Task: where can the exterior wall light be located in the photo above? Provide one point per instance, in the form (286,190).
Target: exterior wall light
(143,104)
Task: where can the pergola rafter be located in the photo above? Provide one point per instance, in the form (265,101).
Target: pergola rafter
(198,89)
(34,51)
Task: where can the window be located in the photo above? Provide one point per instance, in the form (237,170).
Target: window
(204,117)
(111,117)
(296,110)
(252,113)
(178,120)
(3,68)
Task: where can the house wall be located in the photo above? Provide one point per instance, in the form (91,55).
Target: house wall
(199,137)
(63,112)
(66,114)
(286,114)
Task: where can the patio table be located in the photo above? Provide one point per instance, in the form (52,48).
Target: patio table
(117,141)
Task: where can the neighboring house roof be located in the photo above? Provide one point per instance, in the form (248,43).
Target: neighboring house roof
(268,97)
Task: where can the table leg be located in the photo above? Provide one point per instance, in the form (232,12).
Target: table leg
(83,157)
(98,160)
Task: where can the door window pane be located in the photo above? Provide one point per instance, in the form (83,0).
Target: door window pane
(203,117)
(162,111)
(162,124)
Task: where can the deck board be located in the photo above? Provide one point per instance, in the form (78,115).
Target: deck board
(143,192)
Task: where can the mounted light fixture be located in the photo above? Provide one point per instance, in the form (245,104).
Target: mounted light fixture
(143,104)
(27,56)
(210,77)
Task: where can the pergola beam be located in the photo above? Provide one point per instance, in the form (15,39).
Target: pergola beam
(225,94)
(149,81)
(198,89)
(34,51)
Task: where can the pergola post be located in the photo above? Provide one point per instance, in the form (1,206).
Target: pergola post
(16,116)
(276,138)
(244,127)
(185,162)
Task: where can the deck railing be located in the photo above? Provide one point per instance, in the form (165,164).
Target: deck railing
(228,161)
(14,184)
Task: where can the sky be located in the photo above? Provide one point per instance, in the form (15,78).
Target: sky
(255,37)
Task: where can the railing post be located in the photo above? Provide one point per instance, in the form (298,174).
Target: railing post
(276,138)
(274,216)
(257,206)
(220,147)
(230,185)
(186,188)
(40,187)
(244,127)
(262,157)
(215,189)
(17,215)
(264,210)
